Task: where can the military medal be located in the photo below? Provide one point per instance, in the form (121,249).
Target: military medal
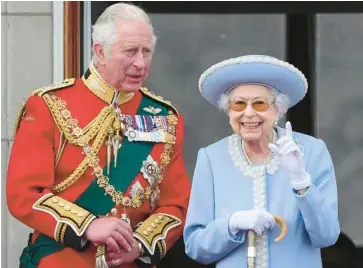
(150,170)
(148,128)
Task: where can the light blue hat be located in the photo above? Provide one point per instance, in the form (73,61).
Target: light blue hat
(253,69)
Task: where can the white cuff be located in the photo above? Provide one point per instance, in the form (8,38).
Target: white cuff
(145,259)
(300,182)
(234,231)
(84,241)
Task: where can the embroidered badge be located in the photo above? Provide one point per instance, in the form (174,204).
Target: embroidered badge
(29,118)
(152,110)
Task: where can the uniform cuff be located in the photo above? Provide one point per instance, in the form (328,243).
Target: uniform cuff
(72,220)
(152,234)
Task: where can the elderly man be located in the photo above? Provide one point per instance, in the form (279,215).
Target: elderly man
(97,168)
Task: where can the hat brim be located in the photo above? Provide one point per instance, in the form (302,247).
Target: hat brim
(228,77)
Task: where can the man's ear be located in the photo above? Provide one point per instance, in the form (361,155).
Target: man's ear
(99,52)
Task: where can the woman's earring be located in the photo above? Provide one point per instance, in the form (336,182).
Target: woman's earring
(276,121)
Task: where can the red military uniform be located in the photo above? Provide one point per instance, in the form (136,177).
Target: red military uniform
(60,178)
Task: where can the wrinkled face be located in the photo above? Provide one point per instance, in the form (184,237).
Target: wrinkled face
(126,65)
(257,119)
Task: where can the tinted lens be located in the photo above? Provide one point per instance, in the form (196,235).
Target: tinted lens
(238,106)
(260,106)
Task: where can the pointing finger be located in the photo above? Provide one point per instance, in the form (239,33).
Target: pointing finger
(288,129)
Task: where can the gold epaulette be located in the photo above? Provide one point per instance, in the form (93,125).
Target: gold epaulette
(40,92)
(65,83)
(152,95)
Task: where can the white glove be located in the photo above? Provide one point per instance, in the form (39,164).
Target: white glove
(257,220)
(291,159)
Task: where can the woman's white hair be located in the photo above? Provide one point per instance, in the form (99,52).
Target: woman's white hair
(105,31)
(281,101)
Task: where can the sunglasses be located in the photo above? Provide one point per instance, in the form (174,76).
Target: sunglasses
(257,105)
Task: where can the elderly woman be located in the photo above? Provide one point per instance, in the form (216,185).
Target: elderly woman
(242,182)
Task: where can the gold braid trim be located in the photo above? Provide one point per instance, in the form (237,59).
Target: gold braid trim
(162,248)
(69,126)
(153,231)
(151,192)
(64,84)
(39,92)
(60,232)
(62,144)
(66,212)
(77,136)
(99,128)
(91,158)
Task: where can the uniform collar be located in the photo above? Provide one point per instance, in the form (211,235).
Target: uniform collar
(101,89)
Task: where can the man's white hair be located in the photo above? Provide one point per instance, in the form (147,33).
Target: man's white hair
(105,31)
(281,101)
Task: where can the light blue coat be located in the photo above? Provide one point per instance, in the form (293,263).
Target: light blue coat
(221,187)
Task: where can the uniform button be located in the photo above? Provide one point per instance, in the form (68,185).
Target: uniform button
(61,204)
(156,221)
(80,214)
(74,211)
(145,233)
(160,217)
(153,225)
(67,208)
(149,229)
(55,200)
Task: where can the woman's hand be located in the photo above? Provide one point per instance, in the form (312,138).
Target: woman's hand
(257,220)
(292,159)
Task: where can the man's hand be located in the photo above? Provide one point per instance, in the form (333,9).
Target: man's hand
(115,233)
(123,257)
